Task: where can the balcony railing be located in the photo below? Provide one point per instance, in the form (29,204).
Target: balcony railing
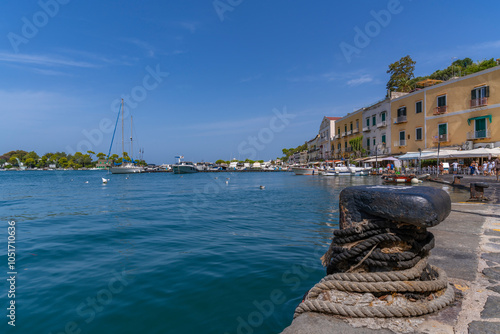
(344,134)
(338,151)
(440,110)
(336,136)
(401,142)
(381,124)
(349,132)
(400,119)
(483,134)
(483,101)
(355,130)
(440,138)
(366,128)
(348,149)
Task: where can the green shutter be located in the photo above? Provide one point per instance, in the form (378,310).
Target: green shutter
(487,93)
(473,94)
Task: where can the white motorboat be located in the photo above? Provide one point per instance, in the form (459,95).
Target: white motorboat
(184,167)
(126,168)
(304,171)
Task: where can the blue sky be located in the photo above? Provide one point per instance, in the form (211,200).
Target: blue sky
(232,66)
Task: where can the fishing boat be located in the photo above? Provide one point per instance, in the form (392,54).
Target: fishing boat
(127,166)
(183,167)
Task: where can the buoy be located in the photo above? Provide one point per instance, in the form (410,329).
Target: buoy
(104,180)
(228,178)
(86,181)
(262,187)
(414,181)
(227,182)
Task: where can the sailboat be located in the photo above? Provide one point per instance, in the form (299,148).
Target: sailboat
(127,166)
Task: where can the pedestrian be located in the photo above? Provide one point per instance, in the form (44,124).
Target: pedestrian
(455,167)
(473,167)
(490,167)
(441,168)
(497,166)
(485,168)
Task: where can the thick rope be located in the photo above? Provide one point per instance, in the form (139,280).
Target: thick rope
(390,258)
(420,308)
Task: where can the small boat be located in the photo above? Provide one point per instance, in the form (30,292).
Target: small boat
(184,167)
(127,166)
(304,171)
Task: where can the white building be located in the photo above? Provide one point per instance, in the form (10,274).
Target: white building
(326,134)
(377,128)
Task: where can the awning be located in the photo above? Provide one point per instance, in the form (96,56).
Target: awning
(479,117)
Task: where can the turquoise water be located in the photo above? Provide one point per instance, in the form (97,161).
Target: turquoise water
(164,253)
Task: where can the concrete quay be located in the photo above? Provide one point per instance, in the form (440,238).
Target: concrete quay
(492,192)
(468,249)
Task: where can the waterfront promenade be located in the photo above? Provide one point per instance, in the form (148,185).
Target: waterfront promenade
(468,249)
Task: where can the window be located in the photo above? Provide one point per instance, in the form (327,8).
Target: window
(480,128)
(374,120)
(351,126)
(338,131)
(383,116)
(357,124)
(345,144)
(418,134)
(374,142)
(479,96)
(441,101)
(345,128)
(339,146)
(402,111)
(383,139)
(368,122)
(443,132)
(418,107)
(368,142)
(402,141)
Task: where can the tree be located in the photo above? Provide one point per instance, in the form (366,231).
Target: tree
(63,162)
(90,153)
(356,144)
(101,155)
(401,72)
(13,161)
(220,161)
(30,162)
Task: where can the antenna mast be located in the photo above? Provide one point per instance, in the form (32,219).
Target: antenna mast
(123,138)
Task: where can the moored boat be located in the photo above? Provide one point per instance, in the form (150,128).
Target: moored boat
(304,171)
(184,167)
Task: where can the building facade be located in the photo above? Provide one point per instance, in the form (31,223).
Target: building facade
(461,113)
(326,134)
(347,128)
(377,128)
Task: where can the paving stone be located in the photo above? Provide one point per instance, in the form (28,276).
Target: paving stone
(419,206)
(495,288)
(495,246)
(483,327)
(492,273)
(492,232)
(491,308)
(495,257)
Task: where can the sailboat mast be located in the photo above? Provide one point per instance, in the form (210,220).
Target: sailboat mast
(131,143)
(123,138)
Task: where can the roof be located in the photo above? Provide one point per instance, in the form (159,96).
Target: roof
(333,118)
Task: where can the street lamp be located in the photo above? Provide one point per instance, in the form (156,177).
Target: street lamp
(420,161)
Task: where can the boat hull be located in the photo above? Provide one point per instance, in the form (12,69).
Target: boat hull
(303,171)
(184,169)
(126,170)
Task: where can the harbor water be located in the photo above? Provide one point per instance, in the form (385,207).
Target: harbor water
(165,253)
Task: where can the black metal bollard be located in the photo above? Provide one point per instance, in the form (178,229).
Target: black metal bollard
(477,191)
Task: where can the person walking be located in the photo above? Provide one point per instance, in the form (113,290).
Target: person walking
(485,168)
(490,167)
(497,166)
(455,167)
(473,167)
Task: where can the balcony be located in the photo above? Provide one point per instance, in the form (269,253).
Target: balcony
(355,131)
(400,119)
(440,139)
(401,142)
(336,136)
(381,124)
(348,149)
(440,110)
(349,132)
(344,134)
(338,151)
(366,128)
(483,101)
(483,134)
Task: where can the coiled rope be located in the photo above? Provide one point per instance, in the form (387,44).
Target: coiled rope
(380,258)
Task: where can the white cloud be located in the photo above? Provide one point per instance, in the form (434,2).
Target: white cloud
(43,60)
(359,81)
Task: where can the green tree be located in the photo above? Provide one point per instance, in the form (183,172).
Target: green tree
(101,155)
(401,72)
(63,162)
(30,162)
(220,161)
(13,161)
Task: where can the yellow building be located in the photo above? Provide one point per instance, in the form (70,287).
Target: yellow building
(346,128)
(462,112)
